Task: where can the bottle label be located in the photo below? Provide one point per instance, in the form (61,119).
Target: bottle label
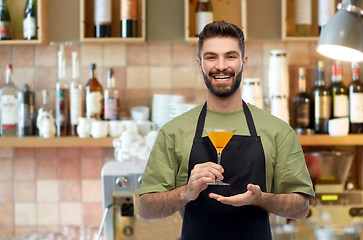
(356,107)
(61,107)
(112,109)
(29,27)
(303,12)
(102,12)
(5,29)
(8,111)
(129,9)
(303,115)
(340,108)
(94,105)
(326,11)
(322,106)
(76,105)
(26,115)
(202,19)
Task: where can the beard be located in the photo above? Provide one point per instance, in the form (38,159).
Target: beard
(222,89)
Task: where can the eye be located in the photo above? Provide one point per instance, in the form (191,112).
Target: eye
(210,57)
(231,57)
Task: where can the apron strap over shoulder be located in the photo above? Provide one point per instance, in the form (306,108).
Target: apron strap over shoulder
(249,119)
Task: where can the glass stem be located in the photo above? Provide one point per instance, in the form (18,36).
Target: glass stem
(219,153)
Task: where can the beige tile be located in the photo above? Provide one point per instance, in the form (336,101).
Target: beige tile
(114,55)
(23,230)
(6,214)
(71,213)
(137,55)
(137,77)
(71,190)
(48,191)
(46,78)
(160,54)
(8,231)
(25,191)
(5,53)
(298,53)
(23,56)
(183,54)
(91,167)
(25,214)
(91,190)
(24,169)
(68,52)
(47,152)
(252,71)
(47,168)
(183,77)
(92,152)
(6,170)
(254,53)
(6,192)
(93,212)
(160,77)
(6,152)
(137,97)
(70,168)
(24,75)
(49,229)
(48,213)
(199,81)
(2,76)
(46,56)
(71,152)
(24,152)
(267,47)
(91,53)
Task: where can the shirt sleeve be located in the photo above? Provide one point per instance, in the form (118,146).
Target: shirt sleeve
(159,172)
(291,173)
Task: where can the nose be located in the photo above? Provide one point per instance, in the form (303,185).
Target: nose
(221,64)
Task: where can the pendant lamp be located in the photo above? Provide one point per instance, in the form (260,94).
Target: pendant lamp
(342,37)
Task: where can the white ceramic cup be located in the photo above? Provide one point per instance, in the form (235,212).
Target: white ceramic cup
(338,126)
(140,113)
(145,127)
(115,128)
(82,124)
(98,129)
(129,125)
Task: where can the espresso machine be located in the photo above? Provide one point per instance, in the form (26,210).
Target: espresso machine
(120,186)
(338,201)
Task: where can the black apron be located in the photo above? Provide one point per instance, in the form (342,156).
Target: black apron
(243,160)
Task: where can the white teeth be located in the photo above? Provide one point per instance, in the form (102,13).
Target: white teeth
(222,77)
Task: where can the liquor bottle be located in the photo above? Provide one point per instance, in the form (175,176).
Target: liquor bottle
(302,103)
(102,18)
(340,102)
(46,106)
(30,26)
(356,101)
(203,15)
(303,17)
(9,105)
(322,101)
(62,121)
(326,9)
(94,96)
(112,99)
(75,95)
(5,22)
(26,112)
(128,18)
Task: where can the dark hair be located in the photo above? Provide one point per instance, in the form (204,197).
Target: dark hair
(221,29)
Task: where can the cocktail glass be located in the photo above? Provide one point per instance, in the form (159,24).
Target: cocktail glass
(219,138)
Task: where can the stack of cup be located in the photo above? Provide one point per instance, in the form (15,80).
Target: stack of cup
(278,77)
(252,92)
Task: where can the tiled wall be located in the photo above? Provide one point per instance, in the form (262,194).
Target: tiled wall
(44,189)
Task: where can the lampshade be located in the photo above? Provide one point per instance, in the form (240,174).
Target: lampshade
(342,37)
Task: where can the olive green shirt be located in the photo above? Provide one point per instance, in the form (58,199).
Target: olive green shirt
(286,171)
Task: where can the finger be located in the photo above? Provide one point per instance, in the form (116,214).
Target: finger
(207,171)
(209,165)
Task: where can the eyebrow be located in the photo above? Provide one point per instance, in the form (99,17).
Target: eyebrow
(227,53)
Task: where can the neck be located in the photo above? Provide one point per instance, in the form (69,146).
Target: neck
(228,104)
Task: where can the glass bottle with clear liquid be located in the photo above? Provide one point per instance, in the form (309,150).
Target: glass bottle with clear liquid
(9,105)
(112,98)
(46,106)
(76,95)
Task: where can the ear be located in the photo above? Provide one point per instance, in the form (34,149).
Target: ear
(245,61)
(199,61)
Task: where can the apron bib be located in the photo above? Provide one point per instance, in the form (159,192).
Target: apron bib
(243,161)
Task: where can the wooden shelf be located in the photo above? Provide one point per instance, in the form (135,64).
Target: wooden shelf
(327,140)
(55,142)
(16,9)
(230,11)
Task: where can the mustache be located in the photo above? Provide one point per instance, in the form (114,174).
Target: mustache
(225,72)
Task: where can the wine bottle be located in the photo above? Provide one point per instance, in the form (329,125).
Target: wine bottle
(45,107)
(26,112)
(128,18)
(322,101)
(340,103)
(112,98)
(302,103)
(75,95)
(5,22)
(303,17)
(94,96)
(326,9)
(9,105)
(62,121)
(356,101)
(102,18)
(30,27)
(203,15)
